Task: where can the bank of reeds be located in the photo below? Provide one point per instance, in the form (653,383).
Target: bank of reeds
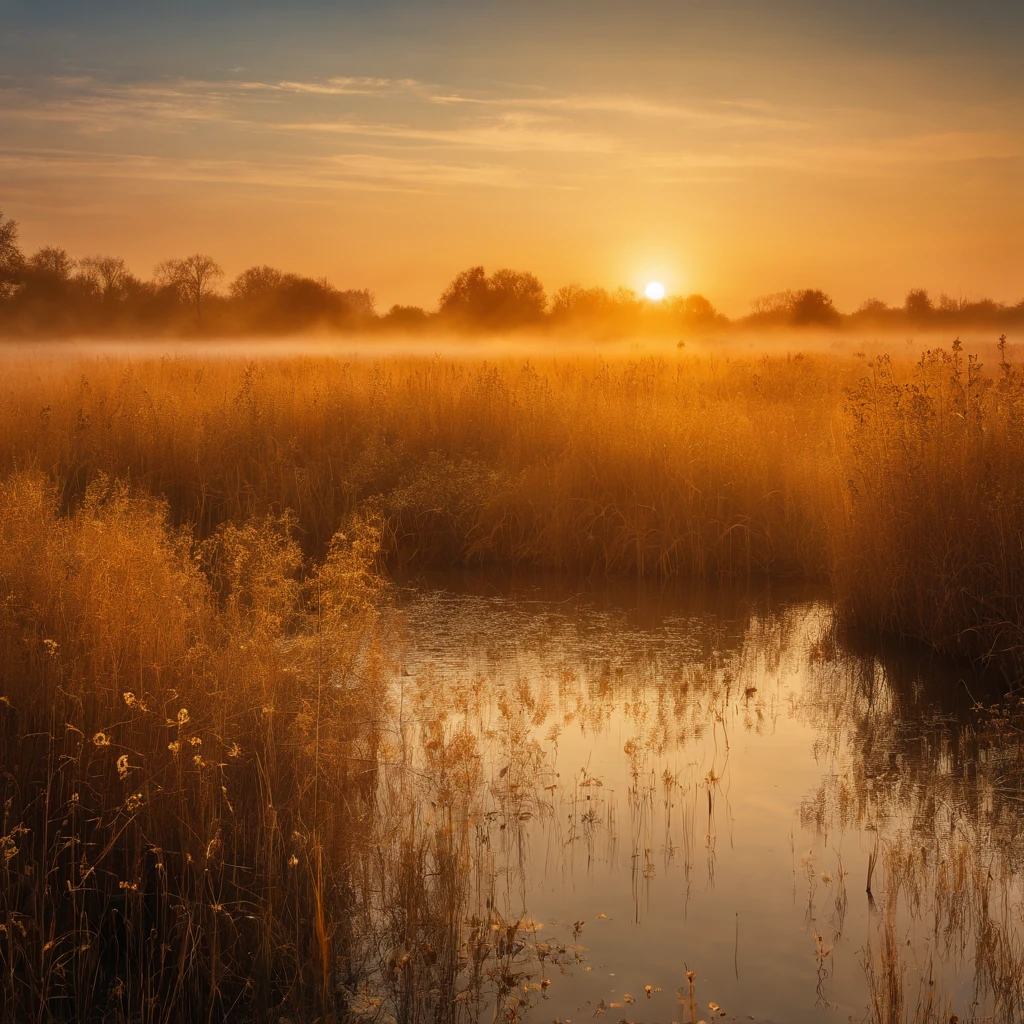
(187,737)
(901,482)
(929,538)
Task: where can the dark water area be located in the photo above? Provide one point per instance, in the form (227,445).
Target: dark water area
(684,795)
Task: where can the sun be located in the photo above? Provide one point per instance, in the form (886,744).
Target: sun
(655,291)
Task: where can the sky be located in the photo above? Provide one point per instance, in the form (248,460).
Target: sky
(727,148)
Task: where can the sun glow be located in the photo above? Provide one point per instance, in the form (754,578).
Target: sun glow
(655,291)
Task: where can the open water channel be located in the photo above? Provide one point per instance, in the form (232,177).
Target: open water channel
(682,799)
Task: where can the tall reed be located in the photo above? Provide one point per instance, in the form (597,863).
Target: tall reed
(901,482)
(928,535)
(176,727)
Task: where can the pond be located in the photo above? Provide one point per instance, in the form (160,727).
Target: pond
(682,799)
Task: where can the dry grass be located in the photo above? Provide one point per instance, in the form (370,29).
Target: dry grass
(199,816)
(928,541)
(662,467)
(174,842)
(903,483)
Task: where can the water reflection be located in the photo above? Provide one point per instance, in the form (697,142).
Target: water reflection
(670,807)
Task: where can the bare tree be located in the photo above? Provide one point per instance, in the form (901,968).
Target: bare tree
(195,278)
(109,273)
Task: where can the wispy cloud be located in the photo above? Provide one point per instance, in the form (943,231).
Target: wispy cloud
(864,156)
(401,133)
(508,133)
(352,171)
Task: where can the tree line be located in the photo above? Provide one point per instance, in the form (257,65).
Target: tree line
(50,292)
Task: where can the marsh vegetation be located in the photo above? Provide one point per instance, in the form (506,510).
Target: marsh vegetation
(249,775)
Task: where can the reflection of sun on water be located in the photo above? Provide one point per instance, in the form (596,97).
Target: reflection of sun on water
(655,291)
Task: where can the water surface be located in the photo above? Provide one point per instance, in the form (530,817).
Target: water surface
(701,782)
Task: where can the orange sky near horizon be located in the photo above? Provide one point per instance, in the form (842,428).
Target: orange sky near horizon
(732,151)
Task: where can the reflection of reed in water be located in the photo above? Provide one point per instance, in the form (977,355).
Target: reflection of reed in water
(939,787)
(928,784)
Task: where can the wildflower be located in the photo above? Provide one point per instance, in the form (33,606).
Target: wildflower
(198,761)
(130,886)
(122,766)
(293,861)
(183,718)
(133,702)
(51,647)
(101,739)
(9,842)
(196,741)
(234,750)
(174,746)
(133,803)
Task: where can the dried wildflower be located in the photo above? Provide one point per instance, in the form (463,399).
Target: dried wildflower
(293,861)
(133,803)
(133,702)
(183,718)
(234,750)
(51,647)
(101,739)
(198,761)
(174,746)
(9,842)
(196,741)
(130,886)
(122,766)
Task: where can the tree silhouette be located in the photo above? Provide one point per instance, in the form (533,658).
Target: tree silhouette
(53,263)
(194,278)
(107,273)
(506,298)
(467,295)
(918,304)
(773,306)
(255,282)
(11,259)
(813,306)
(694,308)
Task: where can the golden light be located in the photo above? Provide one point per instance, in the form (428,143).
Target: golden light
(655,291)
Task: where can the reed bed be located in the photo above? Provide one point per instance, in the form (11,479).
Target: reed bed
(175,727)
(668,468)
(207,803)
(901,482)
